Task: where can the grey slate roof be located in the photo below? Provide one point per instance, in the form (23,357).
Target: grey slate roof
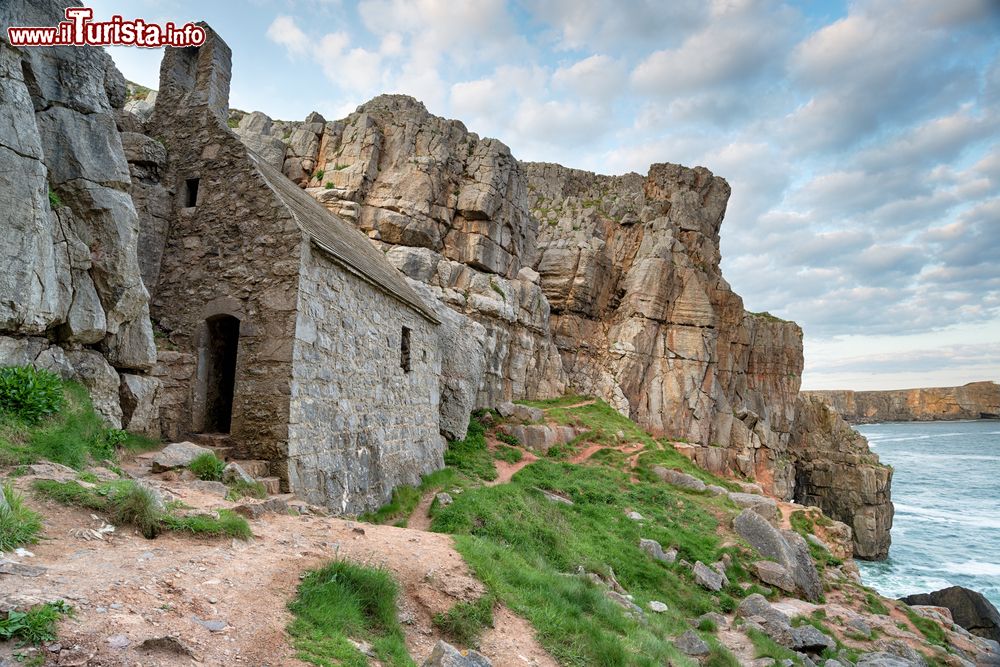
(346,244)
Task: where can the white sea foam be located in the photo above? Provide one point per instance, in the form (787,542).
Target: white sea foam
(926,514)
(974,568)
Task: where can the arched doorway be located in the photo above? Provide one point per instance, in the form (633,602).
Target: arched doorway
(221,343)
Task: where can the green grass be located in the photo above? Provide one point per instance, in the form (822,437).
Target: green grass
(471,454)
(207,467)
(765,647)
(930,629)
(28,394)
(319,174)
(526,548)
(74,435)
(805,525)
(465,622)
(344,601)
(54,200)
(128,503)
(406,498)
(36,625)
(18,524)
(875,605)
(508,454)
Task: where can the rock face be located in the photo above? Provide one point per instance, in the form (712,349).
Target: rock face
(69,249)
(836,471)
(968,608)
(606,285)
(976,400)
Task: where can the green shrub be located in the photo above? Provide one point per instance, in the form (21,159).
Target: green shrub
(466,621)
(345,601)
(18,524)
(137,506)
(36,625)
(508,438)
(208,467)
(29,394)
(319,175)
(328,186)
(54,200)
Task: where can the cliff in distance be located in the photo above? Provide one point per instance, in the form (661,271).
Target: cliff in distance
(975,400)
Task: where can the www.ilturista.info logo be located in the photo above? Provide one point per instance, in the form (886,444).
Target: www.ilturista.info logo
(79,30)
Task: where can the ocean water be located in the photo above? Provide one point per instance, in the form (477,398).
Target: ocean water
(946,489)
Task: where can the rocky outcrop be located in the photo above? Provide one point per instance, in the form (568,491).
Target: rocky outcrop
(69,249)
(968,608)
(836,471)
(603,285)
(976,400)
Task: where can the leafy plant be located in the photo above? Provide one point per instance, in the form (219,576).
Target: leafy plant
(319,174)
(208,467)
(29,394)
(36,625)
(54,200)
(18,524)
(328,186)
(466,621)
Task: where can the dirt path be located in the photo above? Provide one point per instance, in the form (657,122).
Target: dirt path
(507,470)
(575,405)
(132,589)
(419,518)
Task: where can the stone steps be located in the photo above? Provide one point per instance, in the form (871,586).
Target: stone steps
(254,467)
(272,484)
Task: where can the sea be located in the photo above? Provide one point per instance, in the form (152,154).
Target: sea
(946,489)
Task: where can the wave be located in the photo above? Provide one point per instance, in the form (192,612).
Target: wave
(950,517)
(974,568)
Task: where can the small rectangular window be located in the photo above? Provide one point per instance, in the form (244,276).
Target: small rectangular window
(191,192)
(404,350)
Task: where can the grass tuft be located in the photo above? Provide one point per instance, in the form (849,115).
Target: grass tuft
(208,467)
(465,622)
(930,629)
(239,489)
(471,454)
(342,602)
(28,394)
(18,524)
(227,524)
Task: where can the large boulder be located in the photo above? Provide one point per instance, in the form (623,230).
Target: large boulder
(970,609)
(677,478)
(140,402)
(177,455)
(786,548)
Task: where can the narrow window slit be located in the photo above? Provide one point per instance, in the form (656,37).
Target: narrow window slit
(404,350)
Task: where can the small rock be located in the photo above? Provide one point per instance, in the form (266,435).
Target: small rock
(716,490)
(118,641)
(719,620)
(234,472)
(655,551)
(678,478)
(212,625)
(657,606)
(21,570)
(881,659)
(444,499)
(177,455)
(170,645)
(810,640)
(690,643)
(635,516)
(364,647)
(775,574)
(213,488)
(708,578)
(556,498)
(446,655)
(858,624)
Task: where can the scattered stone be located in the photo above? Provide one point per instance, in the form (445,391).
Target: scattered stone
(690,643)
(444,499)
(177,455)
(624,601)
(212,625)
(810,640)
(118,641)
(213,488)
(234,472)
(759,612)
(635,516)
(554,497)
(657,606)
(775,574)
(678,478)
(446,655)
(708,578)
(655,551)
(766,507)
(21,570)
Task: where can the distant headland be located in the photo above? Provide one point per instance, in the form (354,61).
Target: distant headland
(975,400)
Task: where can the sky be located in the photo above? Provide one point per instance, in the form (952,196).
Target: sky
(861,139)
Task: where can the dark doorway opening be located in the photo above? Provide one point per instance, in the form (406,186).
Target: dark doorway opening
(191,192)
(220,359)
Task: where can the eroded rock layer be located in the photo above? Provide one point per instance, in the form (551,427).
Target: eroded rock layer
(976,400)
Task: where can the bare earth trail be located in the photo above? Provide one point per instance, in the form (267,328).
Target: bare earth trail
(131,589)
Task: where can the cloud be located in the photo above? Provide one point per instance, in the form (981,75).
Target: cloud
(595,77)
(285,32)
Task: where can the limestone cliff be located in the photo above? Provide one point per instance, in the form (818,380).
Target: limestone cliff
(976,400)
(71,294)
(604,285)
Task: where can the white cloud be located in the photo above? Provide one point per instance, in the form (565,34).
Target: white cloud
(598,77)
(285,32)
